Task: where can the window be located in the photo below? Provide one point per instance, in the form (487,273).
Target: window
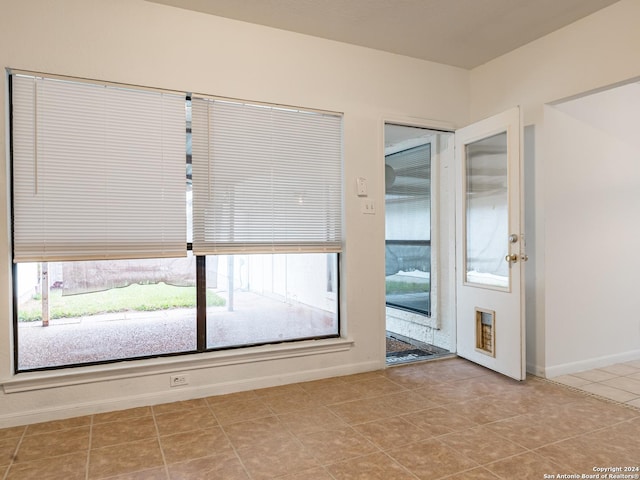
(105,310)
(133,239)
(408,229)
(270,298)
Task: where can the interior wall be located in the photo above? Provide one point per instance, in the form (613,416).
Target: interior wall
(592,53)
(141,43)
(592,281)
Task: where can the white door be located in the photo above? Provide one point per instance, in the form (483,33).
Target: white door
(490,245)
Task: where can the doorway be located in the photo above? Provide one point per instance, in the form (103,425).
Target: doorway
(592,185)
(415,327)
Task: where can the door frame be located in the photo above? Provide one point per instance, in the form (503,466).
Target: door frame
(443,287)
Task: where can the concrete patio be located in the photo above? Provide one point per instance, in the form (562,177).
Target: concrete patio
(113,336)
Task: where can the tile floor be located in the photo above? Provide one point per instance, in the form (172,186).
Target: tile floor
(442,419)
(619,382)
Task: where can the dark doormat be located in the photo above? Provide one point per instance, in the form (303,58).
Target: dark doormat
(405,356)
(401,349)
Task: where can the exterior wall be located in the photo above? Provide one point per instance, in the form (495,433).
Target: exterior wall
(140,43)
(595,52)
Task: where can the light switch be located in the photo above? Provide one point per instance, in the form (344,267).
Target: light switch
(367,206)
(361,183)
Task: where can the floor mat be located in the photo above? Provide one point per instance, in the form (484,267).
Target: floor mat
(395,345)
(405,356)
(403,350)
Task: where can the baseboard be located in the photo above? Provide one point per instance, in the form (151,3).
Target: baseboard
(183,393)
(536,370)
(599,362)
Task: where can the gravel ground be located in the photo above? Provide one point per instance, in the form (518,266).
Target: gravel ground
(97,338)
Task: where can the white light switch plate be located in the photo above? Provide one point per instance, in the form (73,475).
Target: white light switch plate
(361,184)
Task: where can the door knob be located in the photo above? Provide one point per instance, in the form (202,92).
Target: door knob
(513,258)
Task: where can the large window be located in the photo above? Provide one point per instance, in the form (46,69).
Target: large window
(133,239)
(94,311)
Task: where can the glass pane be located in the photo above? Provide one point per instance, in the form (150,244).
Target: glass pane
(104,310)
(408,229)
(487,212)
(256,299)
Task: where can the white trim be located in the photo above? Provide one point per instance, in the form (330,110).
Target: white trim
(599,362)
(437,285)
(249,102)
(67,78)
(24,382)
(536,370)
(418,122)
(132,401)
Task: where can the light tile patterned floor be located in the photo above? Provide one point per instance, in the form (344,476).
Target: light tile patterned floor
(443,419)
(620,382)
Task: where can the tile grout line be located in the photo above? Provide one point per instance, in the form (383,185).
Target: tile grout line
(570,437)
(535,450)
(331,412)
(589,394)
(385,453)
(15,453)
(164,459)
(87,463)
(299,442)
(513,456)
(224,432)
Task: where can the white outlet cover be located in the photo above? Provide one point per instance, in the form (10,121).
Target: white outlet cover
(178,380)
(367,206)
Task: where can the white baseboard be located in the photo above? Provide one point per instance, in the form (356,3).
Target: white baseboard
(536,370)
(182,393)
(599,362)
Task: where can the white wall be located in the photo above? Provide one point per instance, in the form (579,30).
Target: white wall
(593,183)
(135,42)
(597,51)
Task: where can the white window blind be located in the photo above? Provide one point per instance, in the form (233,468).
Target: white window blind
(98,171)
(408,194)
(265,179)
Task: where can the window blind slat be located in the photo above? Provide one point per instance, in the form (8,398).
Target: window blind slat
(265,179)
(408,197)
(99,171)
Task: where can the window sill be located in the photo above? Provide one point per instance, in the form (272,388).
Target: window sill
(413,317)
(31,381)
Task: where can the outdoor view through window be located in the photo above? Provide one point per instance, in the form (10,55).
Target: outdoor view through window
(150,223)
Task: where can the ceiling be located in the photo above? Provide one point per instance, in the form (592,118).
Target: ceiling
(463,33)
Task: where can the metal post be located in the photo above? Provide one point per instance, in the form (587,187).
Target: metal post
(230,282)
(45,294)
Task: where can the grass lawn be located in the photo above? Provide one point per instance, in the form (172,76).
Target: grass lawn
(394,286)
(135,297)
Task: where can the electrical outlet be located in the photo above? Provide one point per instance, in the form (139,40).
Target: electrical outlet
(367,206)
(178,380)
